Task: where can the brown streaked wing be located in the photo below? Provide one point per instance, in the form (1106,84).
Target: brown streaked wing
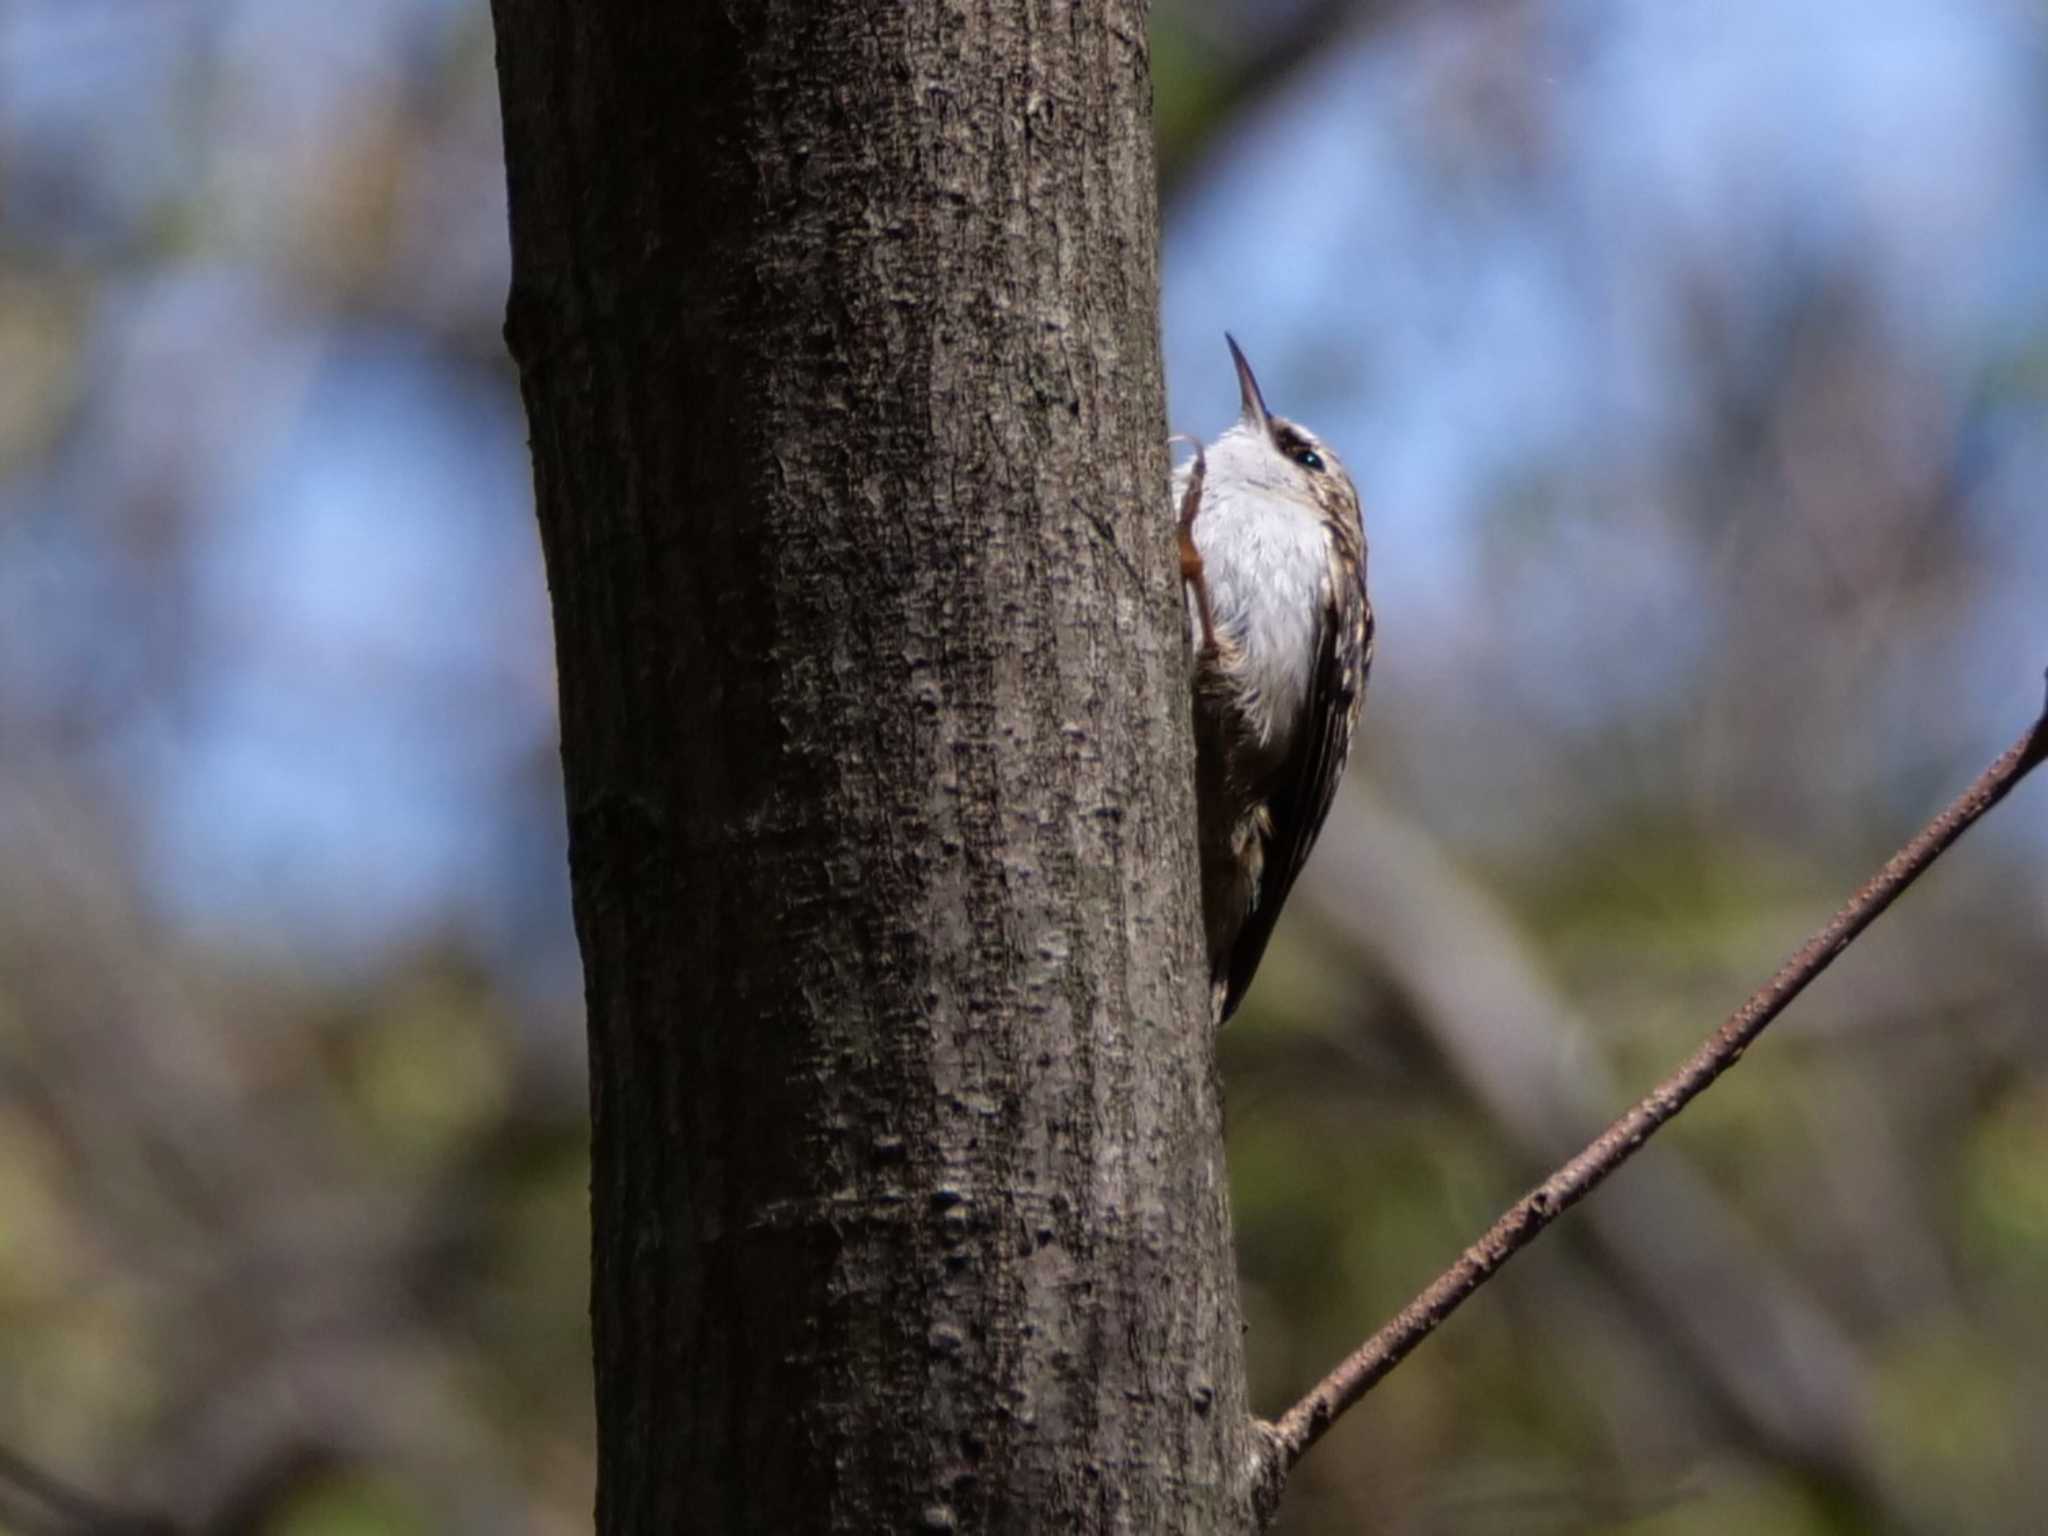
(1306,783)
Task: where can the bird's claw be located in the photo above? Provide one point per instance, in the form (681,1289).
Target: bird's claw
(1191,572)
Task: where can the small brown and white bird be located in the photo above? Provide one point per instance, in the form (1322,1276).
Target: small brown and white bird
(1272,553)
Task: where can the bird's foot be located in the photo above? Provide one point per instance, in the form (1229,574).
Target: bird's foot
(1191,572)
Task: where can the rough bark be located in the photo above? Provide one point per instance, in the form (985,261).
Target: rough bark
(837,329)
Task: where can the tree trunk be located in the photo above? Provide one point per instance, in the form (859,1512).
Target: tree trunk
(837,326)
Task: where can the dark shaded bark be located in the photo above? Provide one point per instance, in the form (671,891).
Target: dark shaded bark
(837,330)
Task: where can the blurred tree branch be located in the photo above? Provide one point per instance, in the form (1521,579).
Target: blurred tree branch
(1309,1419)
(1771,1356)
(38,1503)
(1220,94)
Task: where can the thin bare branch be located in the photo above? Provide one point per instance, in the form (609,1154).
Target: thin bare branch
(1759,1346)
(1307,1421)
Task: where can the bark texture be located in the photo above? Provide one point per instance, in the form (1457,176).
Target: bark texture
(837,325)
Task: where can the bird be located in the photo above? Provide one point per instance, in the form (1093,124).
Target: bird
(1273,555)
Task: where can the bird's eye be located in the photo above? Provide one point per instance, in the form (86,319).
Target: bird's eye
(1309,459)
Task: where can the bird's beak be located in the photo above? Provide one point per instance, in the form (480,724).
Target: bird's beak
(1247,386)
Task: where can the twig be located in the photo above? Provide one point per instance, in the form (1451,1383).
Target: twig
(1306,1422)
(1767,1352)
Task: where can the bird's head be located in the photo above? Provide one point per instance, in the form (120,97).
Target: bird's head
(1272,456)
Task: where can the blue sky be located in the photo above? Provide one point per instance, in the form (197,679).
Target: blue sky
(1449,246)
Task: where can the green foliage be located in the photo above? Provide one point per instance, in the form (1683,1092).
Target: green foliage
(355,1506)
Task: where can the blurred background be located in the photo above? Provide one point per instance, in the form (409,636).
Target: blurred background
(1692,358)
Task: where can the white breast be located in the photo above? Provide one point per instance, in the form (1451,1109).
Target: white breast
(1267,560)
